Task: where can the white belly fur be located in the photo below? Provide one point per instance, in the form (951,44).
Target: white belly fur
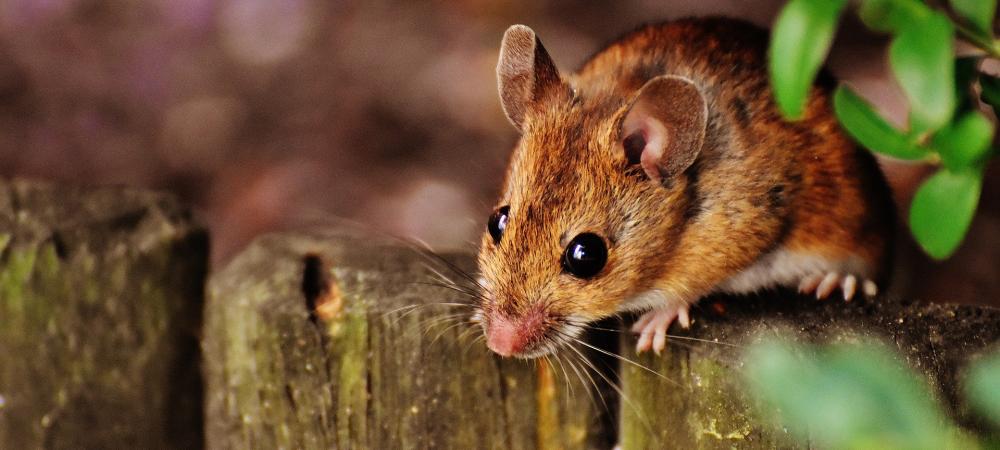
(778,268)
(786,268)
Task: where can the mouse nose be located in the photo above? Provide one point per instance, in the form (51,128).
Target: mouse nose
(503,338)
(513,336)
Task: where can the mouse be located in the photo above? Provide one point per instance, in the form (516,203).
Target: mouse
(662,172)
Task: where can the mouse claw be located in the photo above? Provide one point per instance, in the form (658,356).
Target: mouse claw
(640,324)
(830,281)
(848,286)
(652,327)
(808,284)
(683,318)
(869,288)
(822,285)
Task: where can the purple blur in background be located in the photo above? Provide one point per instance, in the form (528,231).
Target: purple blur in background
(268,114)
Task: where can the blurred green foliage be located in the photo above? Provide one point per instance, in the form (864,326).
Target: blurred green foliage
(945,125)
(861,396)
(983,387)
(813,23)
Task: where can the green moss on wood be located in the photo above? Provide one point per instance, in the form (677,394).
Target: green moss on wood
(97,332)
(705,405)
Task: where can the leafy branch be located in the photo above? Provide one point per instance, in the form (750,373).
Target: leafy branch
(946,125)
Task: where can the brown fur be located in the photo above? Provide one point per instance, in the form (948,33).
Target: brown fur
(759,182)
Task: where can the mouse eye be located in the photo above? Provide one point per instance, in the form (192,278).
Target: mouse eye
(585,255)
(498,223)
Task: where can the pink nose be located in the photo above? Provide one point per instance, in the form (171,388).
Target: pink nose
(503,337)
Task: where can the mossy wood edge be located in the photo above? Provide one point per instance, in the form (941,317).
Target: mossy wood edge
(101,293)
(322,340)
(700,400)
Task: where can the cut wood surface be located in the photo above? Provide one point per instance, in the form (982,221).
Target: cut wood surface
(318,340)
(100,302)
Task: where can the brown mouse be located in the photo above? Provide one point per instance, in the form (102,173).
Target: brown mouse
(661,172)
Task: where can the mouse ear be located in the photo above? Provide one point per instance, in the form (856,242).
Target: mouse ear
(664,127)
(525,73)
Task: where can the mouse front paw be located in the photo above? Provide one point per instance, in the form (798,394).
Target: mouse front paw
(652,326)
(822,285)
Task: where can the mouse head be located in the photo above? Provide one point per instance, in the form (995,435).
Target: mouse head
(594,200)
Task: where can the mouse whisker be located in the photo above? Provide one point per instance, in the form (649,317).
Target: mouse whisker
(434,321)
(436,325)
(476,341)
(548,358)
(671,336)
(444,331)
(443,318)
(426,304)
(441,277)
(405,311)
(707,341)
(466,294)
(419,246)
(432,256)
(474,292)
(465,334)
(623,359)
(401,308)
(448,285)
(597,390)
(621,393)
(579,376)
(409,309)
(560,360)
(428,325)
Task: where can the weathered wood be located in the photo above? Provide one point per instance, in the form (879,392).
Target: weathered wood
(321,340)
(704,404)
(340,361)
(100,301)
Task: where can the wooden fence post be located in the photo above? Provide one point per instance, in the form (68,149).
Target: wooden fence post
(100,303)
(317,340)
(698,399)
(333,339)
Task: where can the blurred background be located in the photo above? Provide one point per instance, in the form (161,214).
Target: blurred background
(266,114)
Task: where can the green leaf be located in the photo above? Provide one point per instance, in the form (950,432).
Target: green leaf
(892,15)
(979,13)
(982,387)
(871,130)
(965,142)
(846,396)
(921,57)
(800,41)
(942,210)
